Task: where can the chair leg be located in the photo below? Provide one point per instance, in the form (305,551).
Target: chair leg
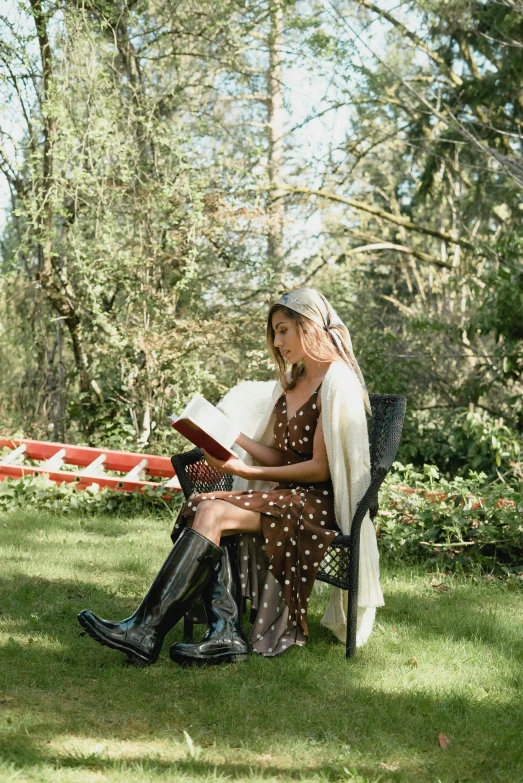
(195,615)
(188,628)
(352,621)
(352,609)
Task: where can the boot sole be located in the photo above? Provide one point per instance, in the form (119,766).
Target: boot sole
(135,658)
(214,660)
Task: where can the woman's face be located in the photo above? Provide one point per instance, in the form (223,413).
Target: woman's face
(286,338)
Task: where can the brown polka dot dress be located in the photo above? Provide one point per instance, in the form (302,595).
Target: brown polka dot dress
(279,566)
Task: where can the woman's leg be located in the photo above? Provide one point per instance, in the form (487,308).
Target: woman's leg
(217,518)
(224,641)
(189,567)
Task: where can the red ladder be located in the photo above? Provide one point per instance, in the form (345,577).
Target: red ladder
(95,463)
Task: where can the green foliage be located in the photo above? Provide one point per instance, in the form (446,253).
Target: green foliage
(457,441)
(499,314)
(460,524)
(143,241)
(39,492)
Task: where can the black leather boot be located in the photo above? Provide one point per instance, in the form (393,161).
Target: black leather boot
(224,641)
(195,615)
(190,565)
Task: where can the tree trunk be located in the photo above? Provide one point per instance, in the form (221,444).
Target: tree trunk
(53,279)
(275,126)
(59,423)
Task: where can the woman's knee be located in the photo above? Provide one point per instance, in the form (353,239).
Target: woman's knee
(209,512)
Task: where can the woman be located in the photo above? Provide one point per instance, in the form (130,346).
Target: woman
(301,481)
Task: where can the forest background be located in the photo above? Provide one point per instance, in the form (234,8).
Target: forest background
(172,167)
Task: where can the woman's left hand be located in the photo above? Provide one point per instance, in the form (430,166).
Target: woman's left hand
(233,465)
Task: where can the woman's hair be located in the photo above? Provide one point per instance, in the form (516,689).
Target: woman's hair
(316,341)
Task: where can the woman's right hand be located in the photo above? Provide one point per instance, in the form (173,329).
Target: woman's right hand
(232,465)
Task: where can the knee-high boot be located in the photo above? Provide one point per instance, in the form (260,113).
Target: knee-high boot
(224,641)
(188,568)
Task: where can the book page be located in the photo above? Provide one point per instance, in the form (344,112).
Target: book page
(211,420)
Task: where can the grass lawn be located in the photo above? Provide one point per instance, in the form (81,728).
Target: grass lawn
(445,658)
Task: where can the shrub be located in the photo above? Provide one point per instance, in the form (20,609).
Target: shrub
(39,491)
(460,441)
(460,523)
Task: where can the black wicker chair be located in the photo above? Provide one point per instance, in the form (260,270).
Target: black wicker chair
(340,566)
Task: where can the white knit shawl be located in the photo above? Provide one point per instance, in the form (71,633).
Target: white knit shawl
(251,406)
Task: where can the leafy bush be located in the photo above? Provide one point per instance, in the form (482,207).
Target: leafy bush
(39,491)
(462,523)
(460,441)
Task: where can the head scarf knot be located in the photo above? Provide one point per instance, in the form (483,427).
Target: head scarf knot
(313,305)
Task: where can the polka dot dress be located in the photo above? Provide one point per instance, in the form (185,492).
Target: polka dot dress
(278,567)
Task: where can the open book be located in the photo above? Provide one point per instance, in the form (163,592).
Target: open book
(207,427)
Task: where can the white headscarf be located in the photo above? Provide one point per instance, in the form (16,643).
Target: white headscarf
(311,304)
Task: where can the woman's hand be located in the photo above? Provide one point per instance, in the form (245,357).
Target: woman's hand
(233,465)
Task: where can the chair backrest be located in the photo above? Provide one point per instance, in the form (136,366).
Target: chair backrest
(385,425)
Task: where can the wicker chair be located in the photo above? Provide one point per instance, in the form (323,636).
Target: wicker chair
(340,565)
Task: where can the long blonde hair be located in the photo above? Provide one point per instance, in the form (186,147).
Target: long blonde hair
(317,343)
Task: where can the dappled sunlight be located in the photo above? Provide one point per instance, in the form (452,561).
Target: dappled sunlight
(76,748)
(438,661)
(186,758)
(357,728)
(17,642)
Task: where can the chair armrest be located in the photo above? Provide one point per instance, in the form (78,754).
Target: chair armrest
(196,476)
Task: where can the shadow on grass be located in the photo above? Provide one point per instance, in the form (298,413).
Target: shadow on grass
(368,726)
(32,525)
(192,768)
(60,686)
(455,616)
(63,684)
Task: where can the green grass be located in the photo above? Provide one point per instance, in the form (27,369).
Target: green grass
(69,710)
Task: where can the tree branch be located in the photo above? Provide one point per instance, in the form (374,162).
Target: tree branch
(381,213)
(410,251)
(419,42)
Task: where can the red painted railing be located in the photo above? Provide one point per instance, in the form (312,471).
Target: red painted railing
(135,469)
